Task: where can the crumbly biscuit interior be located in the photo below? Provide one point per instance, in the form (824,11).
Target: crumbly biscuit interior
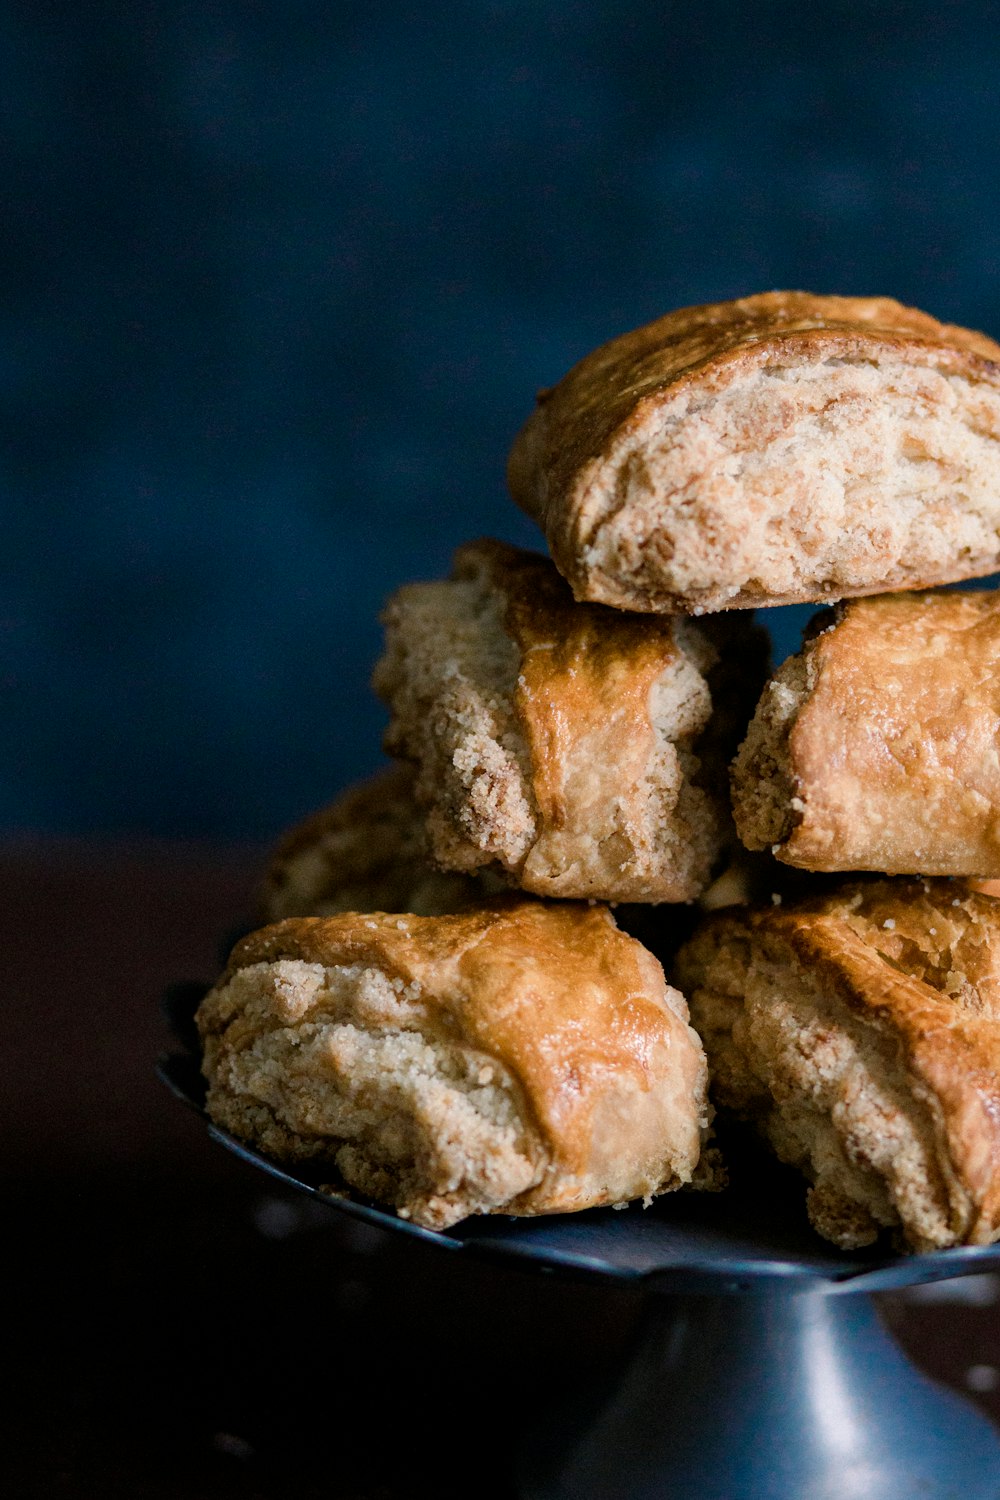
(450,673)
(829,1093)
(829,478)
(689,833)
(764,793)
(348,1065)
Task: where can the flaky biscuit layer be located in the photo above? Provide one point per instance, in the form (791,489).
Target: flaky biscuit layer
(570,746)
(860,1033)
(777,449)
(877,747)
(522,1057)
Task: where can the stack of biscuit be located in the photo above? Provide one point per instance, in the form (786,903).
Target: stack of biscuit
(446,1012)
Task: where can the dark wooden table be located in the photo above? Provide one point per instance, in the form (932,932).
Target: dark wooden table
(180,1329)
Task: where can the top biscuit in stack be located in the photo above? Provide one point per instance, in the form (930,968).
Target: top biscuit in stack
(779,449)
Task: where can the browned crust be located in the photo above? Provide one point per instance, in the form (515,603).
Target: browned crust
(583,702)
(575,1010)
(623,727)
(890,761)
(917,963)
(615,388)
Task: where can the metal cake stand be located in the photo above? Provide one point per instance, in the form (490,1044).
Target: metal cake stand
(761,1370)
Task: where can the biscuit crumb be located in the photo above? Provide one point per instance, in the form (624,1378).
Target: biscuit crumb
(474,690)
(774,997)
(841,475)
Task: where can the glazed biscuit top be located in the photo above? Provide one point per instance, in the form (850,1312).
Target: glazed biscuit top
(554,992)
(936,933)
(574,746)
(583,688)
(938,939)
(892,757)
(714,341)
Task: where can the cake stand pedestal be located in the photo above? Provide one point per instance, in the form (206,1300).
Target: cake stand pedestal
(761,1371)
(776,1394)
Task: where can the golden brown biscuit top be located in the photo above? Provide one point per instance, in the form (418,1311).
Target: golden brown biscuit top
(896,745)
(607,388)
(932,936)
(586,672)
(938,934)
(554,992)
(542,616)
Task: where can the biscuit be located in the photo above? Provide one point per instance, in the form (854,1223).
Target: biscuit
(860,1033)
(520,1057)
(876,747)
(778,449)
(367,851)
(571,746)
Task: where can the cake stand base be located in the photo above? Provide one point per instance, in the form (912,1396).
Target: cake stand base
(761,1371)
(783,1394)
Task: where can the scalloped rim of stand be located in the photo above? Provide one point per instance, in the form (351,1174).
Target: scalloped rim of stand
(728,1241)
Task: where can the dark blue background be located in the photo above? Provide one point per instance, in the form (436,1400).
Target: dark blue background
(277,285)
